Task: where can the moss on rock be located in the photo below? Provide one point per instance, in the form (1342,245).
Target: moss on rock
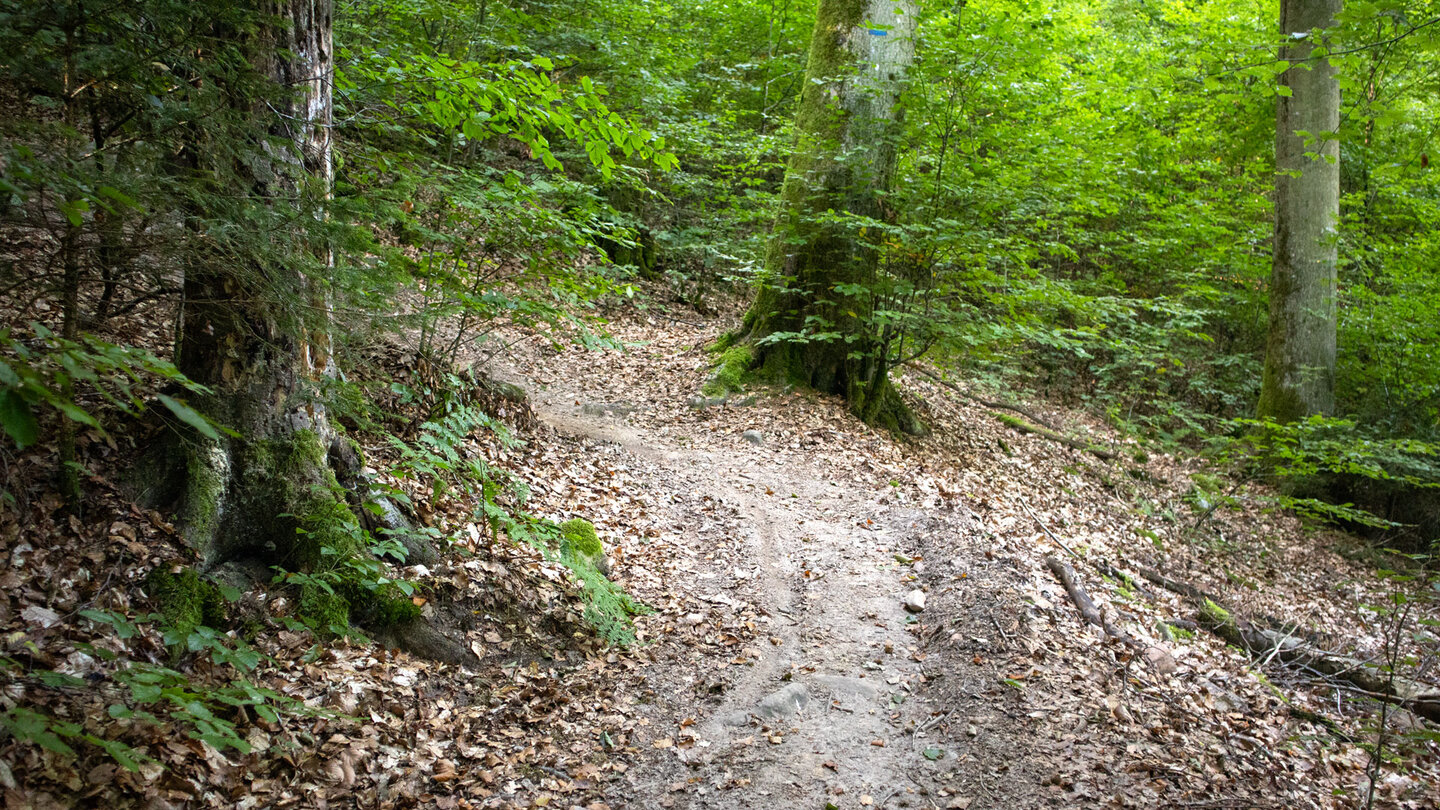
(731,369)
(579,537)
(326,611)
(380,607)
(185,599)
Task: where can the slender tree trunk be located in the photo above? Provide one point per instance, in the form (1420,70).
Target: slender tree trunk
(1299,378)
(844,160)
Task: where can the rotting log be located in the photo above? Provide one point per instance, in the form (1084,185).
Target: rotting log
(1421,698)
(1026,427)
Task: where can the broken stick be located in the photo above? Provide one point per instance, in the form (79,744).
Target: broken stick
(1082,600)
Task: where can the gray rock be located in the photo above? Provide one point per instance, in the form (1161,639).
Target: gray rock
(784,702)
(607,409)
(754,437)
(701,403)
(915,601)
(736,719)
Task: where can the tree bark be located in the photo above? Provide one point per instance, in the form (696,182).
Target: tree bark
(254,334)
(1299,376)
(844,160)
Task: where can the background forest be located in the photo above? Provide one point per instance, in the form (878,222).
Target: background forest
(1081,206)
(1080,211)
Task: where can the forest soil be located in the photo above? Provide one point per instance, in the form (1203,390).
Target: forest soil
(841,699)
(779,540)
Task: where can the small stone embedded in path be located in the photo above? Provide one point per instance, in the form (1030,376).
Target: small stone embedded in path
(915,601)
(754,437)
(840,683)
(784,702)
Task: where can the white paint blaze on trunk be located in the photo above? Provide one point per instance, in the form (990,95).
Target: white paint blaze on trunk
(1300,353)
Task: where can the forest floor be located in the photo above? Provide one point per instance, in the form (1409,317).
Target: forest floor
(813,529)
(777,541)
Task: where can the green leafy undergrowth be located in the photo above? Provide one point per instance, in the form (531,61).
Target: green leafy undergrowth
(43,371)
(215,708)
(349,579)
(608,608)
(1304,455)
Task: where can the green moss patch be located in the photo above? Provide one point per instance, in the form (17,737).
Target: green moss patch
(380,607)
(578,537)
(185,599)
(326,611)
(731,369)
(608,608)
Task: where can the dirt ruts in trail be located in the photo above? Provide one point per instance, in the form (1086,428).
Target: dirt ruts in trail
(842,700)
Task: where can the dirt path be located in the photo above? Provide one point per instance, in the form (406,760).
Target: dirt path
(778,540)
(834,703)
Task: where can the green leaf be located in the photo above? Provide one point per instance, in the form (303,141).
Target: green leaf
(57,679)
(189,416)
(16,418)
(123,754)
(74,211)
(75,412)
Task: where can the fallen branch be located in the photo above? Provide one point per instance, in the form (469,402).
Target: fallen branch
(1421,698)
(1082,600)
(1321,720)
(1047,531)
(1176,586)
(1124,577)
(1025,427)
(1156,656)
(978,400)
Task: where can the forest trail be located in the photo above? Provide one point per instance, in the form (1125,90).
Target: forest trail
(778,540)
(831,704)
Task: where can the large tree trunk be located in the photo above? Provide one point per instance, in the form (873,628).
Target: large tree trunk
(844,160)
(258,351)
(1299,378)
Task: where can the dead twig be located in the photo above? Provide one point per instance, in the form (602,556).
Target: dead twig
(977,399)
(1047,531)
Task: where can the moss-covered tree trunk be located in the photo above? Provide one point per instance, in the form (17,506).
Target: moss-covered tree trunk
(844,161)
(257,333)
(1299,377)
